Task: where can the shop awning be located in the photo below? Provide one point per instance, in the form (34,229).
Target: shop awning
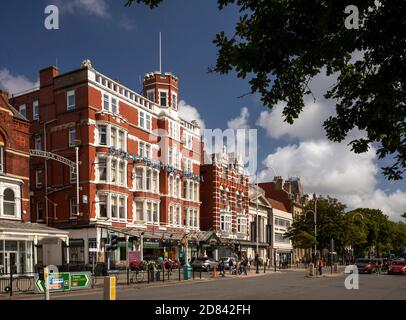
(31,231)
(247,243)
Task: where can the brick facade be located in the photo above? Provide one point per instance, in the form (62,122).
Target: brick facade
(130,149)
(14,161)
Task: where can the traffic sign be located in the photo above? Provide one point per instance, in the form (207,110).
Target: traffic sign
(64,281)
(80,280)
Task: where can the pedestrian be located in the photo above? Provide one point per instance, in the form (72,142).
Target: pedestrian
(244,266)
(230,265)
(320,266)
(379,267)
(222,268)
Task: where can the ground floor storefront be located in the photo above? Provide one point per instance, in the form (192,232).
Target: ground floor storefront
(91,247)
(25,247)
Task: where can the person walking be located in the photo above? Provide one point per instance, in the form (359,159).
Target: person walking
(231,265)
(222,268)
(320,266)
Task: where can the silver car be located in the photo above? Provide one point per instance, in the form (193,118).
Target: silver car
(206,264)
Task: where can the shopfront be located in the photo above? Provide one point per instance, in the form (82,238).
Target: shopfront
(23,246)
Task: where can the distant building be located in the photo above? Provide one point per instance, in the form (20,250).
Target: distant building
(23,244)
(260,204)
(224,196)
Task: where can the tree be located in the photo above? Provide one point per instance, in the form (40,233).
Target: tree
(282,44)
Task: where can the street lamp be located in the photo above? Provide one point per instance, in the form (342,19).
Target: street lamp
(77,143)
(315,225)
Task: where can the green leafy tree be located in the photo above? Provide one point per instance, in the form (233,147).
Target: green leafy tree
(280,45)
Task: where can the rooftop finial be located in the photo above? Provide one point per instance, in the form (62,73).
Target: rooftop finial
(86,63)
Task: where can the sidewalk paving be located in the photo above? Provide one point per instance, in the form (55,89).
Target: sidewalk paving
(172,282)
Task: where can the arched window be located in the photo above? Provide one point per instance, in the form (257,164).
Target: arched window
(9,203)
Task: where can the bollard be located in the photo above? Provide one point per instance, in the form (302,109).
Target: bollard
(214,272)
(46,283)
(148,274)
(200,274)
(311,269)
(179,270)
(163,273)
(11,281)
(128,276)
(109,288)
(264,268)
(193,270)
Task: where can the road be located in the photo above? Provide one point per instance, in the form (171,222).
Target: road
(290,285)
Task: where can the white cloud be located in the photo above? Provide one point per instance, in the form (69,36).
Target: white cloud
(15,83)
(190,113)
(98,8)
(332,169)
(309,125)
(127,24)
(240,122)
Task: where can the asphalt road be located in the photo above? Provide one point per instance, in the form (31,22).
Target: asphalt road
(287,285)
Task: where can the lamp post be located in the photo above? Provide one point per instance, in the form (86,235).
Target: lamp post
(77,143)
(315,225)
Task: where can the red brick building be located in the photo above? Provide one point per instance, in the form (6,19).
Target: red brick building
(139,163)
(19,239)
(224,196)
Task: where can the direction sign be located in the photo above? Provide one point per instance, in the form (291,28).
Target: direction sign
(80,280)
(64,281)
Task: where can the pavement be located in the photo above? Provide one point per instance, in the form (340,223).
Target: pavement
(291,284)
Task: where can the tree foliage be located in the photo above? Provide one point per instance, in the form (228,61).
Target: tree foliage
(280,45)
(365,230)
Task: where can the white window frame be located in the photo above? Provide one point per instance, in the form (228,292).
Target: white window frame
(35,110)
(98,172)
(174,104)
(72,175)
(160,99)
(22,108)
(98,202)
(226,220)
(99,127)
(71,141)
(38,178)
(38,143)
(69,94)
(73,207)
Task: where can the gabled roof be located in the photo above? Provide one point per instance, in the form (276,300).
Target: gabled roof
(16,114)
(278,205)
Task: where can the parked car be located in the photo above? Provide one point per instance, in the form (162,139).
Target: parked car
(397,267)
(227,262)
(365,265)
(206,264)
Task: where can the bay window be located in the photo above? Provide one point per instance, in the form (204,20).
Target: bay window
(242,225)
(102,169)
(139,211)
(122,175)
(106,102)
(9,203)
(121,208)
(139,173)
(113,171)
(114,207)
(155,213)
(102,135)
(150,217)
(163,98)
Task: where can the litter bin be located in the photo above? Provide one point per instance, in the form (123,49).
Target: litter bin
(157,275)
(311,269)
(187,271)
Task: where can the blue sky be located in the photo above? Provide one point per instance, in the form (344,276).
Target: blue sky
(123,43)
